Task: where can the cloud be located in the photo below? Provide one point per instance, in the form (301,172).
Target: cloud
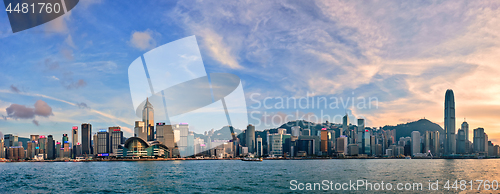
(14,89)
(83,105)
(86,3)
(36,122)
(74,85)
(59,25)
(17,111)
(69,41)
(219,50)
(67,53)
(142,40)
(51,65)
(54,78)
(43,109)
(106,115)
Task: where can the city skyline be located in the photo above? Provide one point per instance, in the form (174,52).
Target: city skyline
(77,67)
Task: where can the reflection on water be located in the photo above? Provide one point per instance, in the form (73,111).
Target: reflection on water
(230,176)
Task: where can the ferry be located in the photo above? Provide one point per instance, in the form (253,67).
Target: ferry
(252,159)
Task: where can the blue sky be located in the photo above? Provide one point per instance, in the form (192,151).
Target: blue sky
(404,54)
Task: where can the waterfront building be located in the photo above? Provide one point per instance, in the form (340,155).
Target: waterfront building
(276,141)
(86,139)
(250,139)
(415,142)
(110,134)
(190,144)
(136,147)
(359,135)
(74,140)
(148,119)
(373,148)
(449,123)
(480,141)
(10,140)
(50,151)
(345,125)
(259,150)
(342,144)
(140,130)
(461,141)
(116,139)
(366,142)
(491,149)
(165,134)
(2,148)
(353,150)
(95,144)
(431,142)
(181,131)
(465,127)
(65,139)
(325,136)
(16,153)
(102,142)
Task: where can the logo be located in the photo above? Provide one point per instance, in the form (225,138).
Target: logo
(26,14)
(172,77)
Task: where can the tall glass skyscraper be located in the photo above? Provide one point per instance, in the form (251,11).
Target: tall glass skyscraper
(345,125)
(86,139)
(250,138)
(359,135)
(149,119)
(449,123)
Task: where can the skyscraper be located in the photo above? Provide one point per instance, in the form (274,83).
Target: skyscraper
(465,127)
(345,125)
(183,132)
(65,139)
(86,139)
(148,119)
(102,142)
(366,142)
(415,142)
(324,141)
(140,130)
(2,150)
(50,148)
(116,139)
(250,138)
(461,141)
(480,141)
(359,135)
(449,123)
(110,134)
(431,142)
(259,147)
(74,140)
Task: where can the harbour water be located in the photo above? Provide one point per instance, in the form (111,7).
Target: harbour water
(219,176)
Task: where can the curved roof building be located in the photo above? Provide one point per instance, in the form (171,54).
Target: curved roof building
(137,147)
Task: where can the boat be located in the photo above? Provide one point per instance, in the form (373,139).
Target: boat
(252,159)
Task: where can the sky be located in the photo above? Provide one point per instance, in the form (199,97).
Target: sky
(395,59)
